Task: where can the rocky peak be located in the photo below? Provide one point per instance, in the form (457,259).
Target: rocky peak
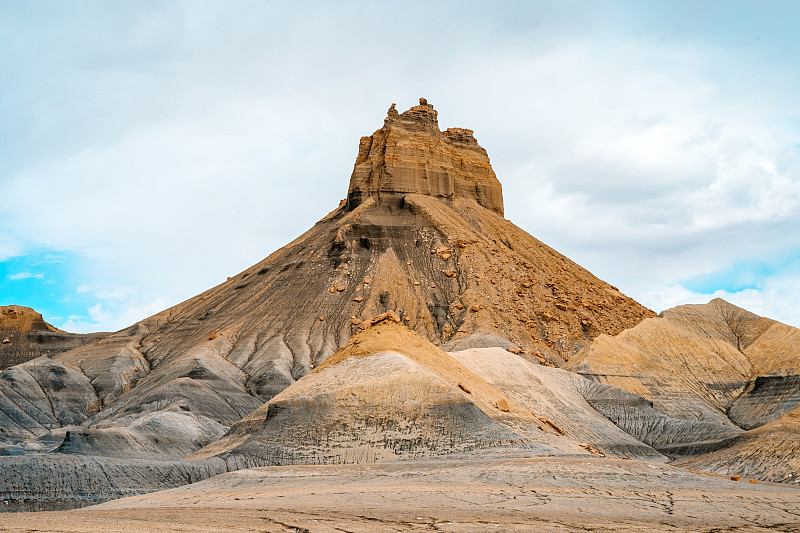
(22,319)
(410,155)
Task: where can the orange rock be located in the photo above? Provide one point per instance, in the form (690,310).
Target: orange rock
(212,336)
(358,299)
(502,404)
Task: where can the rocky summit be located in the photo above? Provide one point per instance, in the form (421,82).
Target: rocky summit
(410,155)
(415,323)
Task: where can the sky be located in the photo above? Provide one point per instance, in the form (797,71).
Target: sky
(149,150)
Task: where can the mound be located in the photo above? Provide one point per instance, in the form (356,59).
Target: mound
(387,394)
(557,397)
(714,363)
(770,452)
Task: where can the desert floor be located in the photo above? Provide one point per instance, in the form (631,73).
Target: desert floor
(464,494)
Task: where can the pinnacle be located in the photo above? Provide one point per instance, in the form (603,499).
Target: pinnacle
(410,155)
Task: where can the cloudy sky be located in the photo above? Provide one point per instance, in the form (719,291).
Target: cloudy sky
(148,149)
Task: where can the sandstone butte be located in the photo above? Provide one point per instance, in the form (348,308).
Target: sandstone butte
(423,324)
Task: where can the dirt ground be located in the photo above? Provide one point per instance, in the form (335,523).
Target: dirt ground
(466,494)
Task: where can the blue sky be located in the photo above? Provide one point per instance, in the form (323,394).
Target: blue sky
(149,150)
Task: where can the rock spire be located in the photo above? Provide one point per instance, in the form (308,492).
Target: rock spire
(410,155)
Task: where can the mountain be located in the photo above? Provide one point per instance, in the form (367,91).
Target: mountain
(24,335)
(413,321)
(421,233)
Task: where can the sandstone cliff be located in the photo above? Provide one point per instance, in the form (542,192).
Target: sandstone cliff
(409,155)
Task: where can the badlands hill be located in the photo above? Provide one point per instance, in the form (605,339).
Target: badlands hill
(413,322)
(421,233)
(716,364)
(24,335)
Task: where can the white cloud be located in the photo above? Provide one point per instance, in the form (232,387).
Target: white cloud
(26,275)
(776,299)
(111,317)
(9,246)
(172,151)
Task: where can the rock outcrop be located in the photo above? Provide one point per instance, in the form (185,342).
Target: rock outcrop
(410,155)
(770,452)
(284,363)
(387,394)
(24,335)
(452,268)
(708,371)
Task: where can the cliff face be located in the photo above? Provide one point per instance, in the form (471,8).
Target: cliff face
(409,155)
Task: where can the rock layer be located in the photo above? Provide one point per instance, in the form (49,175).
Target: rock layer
(387,394)
(410,155)
(715,363)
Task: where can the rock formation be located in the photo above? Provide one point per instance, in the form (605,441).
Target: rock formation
(455,271)
(409,155)
(421,242)
(714,370)
(387,394)
(24,335)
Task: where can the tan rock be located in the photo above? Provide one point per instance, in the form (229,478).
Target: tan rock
(410,155)
(502,404)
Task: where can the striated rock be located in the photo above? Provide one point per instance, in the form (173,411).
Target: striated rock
(557,398)
(702,374)
(770,453)
(715,363)
(410,155)
(387,394)
(48,482)
(39,396)
(24,335)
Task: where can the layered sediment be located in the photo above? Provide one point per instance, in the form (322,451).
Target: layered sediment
(410,155)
